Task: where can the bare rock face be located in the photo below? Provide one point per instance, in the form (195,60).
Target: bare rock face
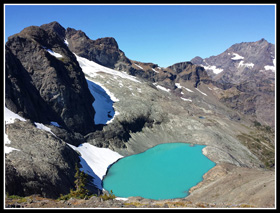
(41,164)
(41,66)
(104,51)
(187,71)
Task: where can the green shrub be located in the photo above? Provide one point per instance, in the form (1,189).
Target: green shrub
(108,196)
(18,198)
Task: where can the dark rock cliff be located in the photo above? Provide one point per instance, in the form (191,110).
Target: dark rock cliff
(104,51)
(55,87)
(44,83)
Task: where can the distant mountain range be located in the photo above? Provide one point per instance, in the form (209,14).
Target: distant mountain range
(247,73)
(241,62)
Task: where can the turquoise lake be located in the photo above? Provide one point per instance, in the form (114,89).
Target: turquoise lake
(165,171)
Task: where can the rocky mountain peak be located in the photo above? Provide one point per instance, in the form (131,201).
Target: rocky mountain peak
(250,68)
(197,60)
(240,61)
(55,27)
(262,41)
(104,51)
(32,32)
(110,41)
(78,33)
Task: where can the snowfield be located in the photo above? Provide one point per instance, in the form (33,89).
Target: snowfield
(95,161)
(103,104)
(104,99)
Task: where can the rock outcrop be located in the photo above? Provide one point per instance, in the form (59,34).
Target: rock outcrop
(104,51)
(44,83)
(39,65)
(187,71)
(42,163)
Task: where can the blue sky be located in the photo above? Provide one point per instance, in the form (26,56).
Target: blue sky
(162,34)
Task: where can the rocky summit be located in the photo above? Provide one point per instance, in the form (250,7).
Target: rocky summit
(247,73)
(57,81)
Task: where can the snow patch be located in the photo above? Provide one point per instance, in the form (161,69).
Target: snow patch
(95,161)
(43,127)
(180,87)
(121,198)
(237,57)
(57,55)
(103,104)
(185,99)
(272,68)
(155,70)
(112,96)
(66,42)
(55,124)
(91,69)
(187,89)
(8,149)
(163,88)
(10,117)
(110,121)
(213,68)
(138,66)
(242,64)
(201,92)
